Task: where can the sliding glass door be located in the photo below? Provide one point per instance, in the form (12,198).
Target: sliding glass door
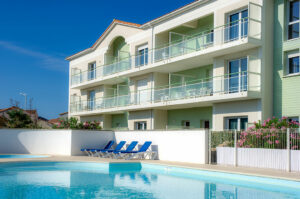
(238,77)
(237,25)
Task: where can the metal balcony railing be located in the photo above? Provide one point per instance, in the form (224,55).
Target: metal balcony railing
(214,86)
(217,36)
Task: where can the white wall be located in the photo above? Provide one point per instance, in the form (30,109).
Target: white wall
(52,142)
(180,146)
(35,141)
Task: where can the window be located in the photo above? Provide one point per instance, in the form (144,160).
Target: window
(237,25)
(92,71)
(237,123)
(237,77)
(142,125)
(296,119)
(293,63)
(142,56)
(91,99)
(185,124)
(293,19)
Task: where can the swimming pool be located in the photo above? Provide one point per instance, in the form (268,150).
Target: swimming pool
(23,156)
(133,180)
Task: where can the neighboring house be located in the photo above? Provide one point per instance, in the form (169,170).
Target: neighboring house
(44,123)
(205,65)
(286,59)
(63,115)
(56,121)
(31,113)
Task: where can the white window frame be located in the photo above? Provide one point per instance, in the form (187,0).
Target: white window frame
(240,71)
(291,54)
(240,21)
(238,120)
(288,20)
(90,65)
(143,123)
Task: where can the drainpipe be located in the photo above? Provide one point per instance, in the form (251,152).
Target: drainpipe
(152,42)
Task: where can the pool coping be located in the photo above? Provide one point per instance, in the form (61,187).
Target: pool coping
(257,172)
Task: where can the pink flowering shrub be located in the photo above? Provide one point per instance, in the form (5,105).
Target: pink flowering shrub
(270,134)
(73,123)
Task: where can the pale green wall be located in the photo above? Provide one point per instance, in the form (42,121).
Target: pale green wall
(194,115)
(122,119)
(286,89)
(200,73)
(203,24)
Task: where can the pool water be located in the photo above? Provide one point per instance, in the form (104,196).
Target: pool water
(23,156)
(133,180)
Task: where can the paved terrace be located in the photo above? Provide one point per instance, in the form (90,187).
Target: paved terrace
(236,170)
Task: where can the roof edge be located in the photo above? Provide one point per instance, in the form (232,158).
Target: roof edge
(135,25)
(112,24)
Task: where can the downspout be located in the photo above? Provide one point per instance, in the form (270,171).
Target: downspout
(152,42)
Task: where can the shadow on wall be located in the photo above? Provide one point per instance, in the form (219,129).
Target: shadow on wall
(10,142)
(89,140)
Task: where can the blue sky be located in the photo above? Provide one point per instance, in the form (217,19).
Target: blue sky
(36,36)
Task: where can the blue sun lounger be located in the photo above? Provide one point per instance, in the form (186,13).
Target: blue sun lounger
(131,146)
(89,152)
(142,153)
(105,153)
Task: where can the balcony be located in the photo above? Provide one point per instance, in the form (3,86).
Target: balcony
(235,86)
(207,44)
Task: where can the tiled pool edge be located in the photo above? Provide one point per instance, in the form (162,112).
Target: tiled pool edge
(237,170)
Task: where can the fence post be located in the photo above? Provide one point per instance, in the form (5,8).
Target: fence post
(235,148)
(288,149)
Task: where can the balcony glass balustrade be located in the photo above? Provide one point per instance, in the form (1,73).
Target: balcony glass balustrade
(217,36)
(214,86)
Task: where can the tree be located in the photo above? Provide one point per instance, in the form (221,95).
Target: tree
(18,119)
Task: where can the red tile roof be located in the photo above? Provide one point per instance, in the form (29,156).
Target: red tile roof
(54,121)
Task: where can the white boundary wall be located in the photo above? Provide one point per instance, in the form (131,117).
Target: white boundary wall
(52,142)
(181,146)
(259,158)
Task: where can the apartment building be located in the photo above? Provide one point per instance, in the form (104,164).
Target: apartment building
(286,59)
(205,65)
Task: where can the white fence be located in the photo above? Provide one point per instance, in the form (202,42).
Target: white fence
(181,146)
(259,158)
(264,148)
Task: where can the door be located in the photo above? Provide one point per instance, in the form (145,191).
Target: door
(142,58)
(238,25)
(92,71)
(142,91)
(91,101)
(206,124)
(234,26)
(234,76)
(238,75)
(244,23)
